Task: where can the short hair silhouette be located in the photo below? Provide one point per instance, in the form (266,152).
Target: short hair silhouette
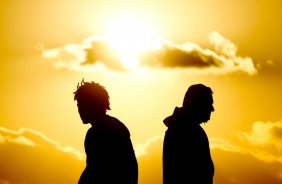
(197,94)
(93,93)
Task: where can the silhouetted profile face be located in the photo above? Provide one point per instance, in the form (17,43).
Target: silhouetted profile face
(205,110)
(198,101)
(92,101)
(89,112)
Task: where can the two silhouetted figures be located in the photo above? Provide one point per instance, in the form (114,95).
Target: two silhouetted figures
(110,154)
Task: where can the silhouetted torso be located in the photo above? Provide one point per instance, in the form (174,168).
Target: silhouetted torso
(186,153)
(110,154)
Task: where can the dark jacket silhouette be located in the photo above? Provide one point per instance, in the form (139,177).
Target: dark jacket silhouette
(108,147)
(110,155)
(186,152)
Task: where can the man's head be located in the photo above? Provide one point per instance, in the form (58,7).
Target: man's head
(92,101)
(198,101)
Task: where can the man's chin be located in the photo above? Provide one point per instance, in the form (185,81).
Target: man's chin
(85,122)
(206,119)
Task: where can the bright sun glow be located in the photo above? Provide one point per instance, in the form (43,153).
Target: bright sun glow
(129,36)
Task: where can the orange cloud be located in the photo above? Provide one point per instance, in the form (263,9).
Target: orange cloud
(150,160)
(95,53)
(27,136)
(234,163)
(29,156)
(142,149)
(238,168)
(256,158)
(265,141)
(265,133)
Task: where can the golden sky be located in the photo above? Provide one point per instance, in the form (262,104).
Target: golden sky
(146,54)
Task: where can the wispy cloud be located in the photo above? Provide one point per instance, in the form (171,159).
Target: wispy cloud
(262,142)
(95,53)
(265,140)
(29,156)
(30,137)
(241,168)
(222,58)
(223,144)
(142,149)
(234,162)
(263,133)
(249,162)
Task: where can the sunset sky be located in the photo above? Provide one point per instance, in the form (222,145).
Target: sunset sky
(146,54)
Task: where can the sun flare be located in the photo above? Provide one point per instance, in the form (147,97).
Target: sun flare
(129,36)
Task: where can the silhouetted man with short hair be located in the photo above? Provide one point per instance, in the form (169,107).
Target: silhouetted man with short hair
(186,152)
(110,154)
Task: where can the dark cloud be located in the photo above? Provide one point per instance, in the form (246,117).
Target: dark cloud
(277,132)
(222,58)
(166,57)
(173,57)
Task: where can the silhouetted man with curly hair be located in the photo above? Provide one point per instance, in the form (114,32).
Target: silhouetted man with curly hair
(110,154)
(186,152)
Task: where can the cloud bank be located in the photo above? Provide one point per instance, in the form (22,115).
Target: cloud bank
(95,53)
(264,141)
(33,138)
(142,149)
(256,158)
(29,156)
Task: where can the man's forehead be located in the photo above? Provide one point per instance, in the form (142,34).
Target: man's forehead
(209,99)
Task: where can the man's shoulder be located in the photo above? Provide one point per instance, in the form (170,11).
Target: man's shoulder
(117,126)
